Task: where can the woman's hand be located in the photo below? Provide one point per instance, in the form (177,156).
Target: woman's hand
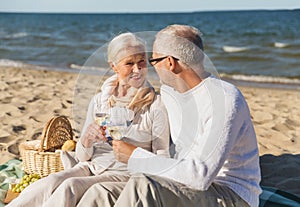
(93,133)
(122,150)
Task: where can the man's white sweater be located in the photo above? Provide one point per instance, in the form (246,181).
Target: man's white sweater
(215,141)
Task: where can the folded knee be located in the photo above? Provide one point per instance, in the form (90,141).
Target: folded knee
(70,182)
(140,180)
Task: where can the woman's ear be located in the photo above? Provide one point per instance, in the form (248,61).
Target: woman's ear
(112,65)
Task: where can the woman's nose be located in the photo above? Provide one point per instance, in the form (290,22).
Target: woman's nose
(136,67)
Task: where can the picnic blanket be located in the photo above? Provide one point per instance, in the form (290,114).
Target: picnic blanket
(9,171)
(270,197)
(274,197)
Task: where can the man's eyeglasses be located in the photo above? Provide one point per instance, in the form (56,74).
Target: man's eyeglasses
(154,61)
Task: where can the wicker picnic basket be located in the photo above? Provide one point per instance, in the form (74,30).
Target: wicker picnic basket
(40,156)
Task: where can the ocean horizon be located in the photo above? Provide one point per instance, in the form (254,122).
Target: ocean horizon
(260,46)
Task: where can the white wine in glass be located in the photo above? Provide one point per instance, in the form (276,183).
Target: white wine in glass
(117,131)
(118,122)
(101,118)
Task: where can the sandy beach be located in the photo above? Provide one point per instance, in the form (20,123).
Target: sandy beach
(29,98)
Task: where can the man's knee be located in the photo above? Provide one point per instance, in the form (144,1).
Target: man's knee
(142,183)
(140,178)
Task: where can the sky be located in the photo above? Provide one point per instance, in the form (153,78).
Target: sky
(137,6)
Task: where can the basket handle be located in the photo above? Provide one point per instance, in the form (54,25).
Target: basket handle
(56,131)
(44,134)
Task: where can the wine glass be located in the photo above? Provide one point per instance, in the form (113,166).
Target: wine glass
(119,120)
(101,118)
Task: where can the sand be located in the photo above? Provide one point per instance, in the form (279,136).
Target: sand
(29,98)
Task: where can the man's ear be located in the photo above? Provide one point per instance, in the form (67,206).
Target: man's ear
(112,65)
(173,65)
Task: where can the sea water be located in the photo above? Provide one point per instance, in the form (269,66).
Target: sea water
(246,46)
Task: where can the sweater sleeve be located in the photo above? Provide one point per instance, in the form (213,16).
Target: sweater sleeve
(82,153)
(160,128)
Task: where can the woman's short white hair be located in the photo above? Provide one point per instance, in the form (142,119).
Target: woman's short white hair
(180,41)
(124,45)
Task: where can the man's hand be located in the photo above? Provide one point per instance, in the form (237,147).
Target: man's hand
(122,150)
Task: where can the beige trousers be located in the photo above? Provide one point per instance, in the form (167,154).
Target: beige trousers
(102,194)
(153,191)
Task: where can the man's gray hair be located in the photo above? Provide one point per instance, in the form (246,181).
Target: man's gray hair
(181,41)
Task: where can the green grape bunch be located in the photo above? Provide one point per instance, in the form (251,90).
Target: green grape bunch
(24,182)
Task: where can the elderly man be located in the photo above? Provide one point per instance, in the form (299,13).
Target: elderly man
(216,160)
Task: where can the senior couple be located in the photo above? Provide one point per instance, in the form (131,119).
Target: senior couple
(216,160)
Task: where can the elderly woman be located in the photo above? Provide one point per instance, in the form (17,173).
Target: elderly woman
(149,129)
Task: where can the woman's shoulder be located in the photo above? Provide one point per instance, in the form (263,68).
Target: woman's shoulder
(157,103)
(157,99)
(97,97)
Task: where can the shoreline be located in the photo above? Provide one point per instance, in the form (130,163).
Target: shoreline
(29,98)
(263,85)
(242,80)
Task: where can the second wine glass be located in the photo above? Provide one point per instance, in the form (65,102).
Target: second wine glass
(119,121)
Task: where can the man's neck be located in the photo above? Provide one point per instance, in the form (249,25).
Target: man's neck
(190,77)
